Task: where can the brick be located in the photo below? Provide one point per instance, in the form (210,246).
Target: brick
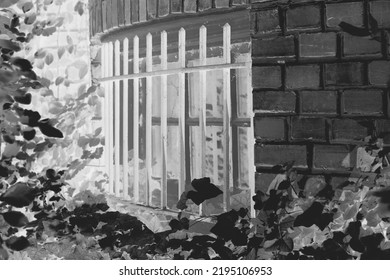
(348,129)
(176,6)
(314,102)
(205,5)
(274,101)
(382,127)
(344,74)
(270,155)
(221,3)
(317,45)
(363,102)
(334,157)
(142,11)
(266,77)
(270,128)
(263,180)
(379,73)
(351,13)
(268,21)
(253,23)
(163,8)
(134,11)
(151,8)
(380,10)
(354,45)
(239,2)
(304,17)
(308,128)
(189,6)
(303,76)
(274,47)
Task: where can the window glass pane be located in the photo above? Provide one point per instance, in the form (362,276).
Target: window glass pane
(242,78)
(155,186)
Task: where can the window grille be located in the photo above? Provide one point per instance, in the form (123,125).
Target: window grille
(122,116)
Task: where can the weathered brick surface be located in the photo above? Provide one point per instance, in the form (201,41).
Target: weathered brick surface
(354,45)
(314,102)
(334,157)
(221,3)
(151,8)
(163,8)
(317,44)
(274,101)
(268,21)
(303,76)
(308,128)
(304,17)
(363,102)
(270,128)
(190,6)
(270,155)
(267,77)
(350,12)
(348,129)
(339,74)
(381,11)
(278,46)
(379,73)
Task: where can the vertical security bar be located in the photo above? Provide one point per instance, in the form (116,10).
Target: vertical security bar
(202,101)
(136,119)
(182,106)
(106,114)
(111,117)
(149,98)
(164,128)
(117,120)
(125,121)
(226,114)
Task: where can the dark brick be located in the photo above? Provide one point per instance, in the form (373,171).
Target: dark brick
(318,44)
(134,11)
(303,76)
(354,45)
(274,101)
(152,8)
(382,127)
(189,6)
(308,128)
(379,73)
(274,47)
(381,12)
(163,8)
(363,102)
(176,6)
(266,77)
(221,3)
(344,74)
(319,102)
(142,11)
(304,17)
(205,5)
(270,155)
(334,157)
(263,180)
(348,129)
(270,128)
(268,21)
(349,12)
(253,23)
(239,2)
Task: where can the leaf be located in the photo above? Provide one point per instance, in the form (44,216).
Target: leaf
(19,195)
(8,44)
(17,243)
(353,30)
(27,7)
(11,150)
(83,71)
(26,99)
(204,190)
(23,64)
(50,131)
(61,52)
(15,218)
(49,59)
(59,80)
(69,40)
(30,19)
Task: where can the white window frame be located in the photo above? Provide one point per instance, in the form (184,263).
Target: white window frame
(110,79)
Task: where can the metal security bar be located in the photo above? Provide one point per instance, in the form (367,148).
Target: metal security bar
(117,80)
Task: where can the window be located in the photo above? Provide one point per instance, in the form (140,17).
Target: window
(178,107)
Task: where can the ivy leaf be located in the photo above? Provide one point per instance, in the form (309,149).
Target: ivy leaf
(61,52)
(27,7)
(19,195)
(59,80)
(204,190)
(310,216)
(23,64)
(15,218)
(49,59)
(25,99)
(17,243)
(30,19)
(50,131)
(8,44)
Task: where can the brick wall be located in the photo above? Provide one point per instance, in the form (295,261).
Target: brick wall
(110,14)
(318,91)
